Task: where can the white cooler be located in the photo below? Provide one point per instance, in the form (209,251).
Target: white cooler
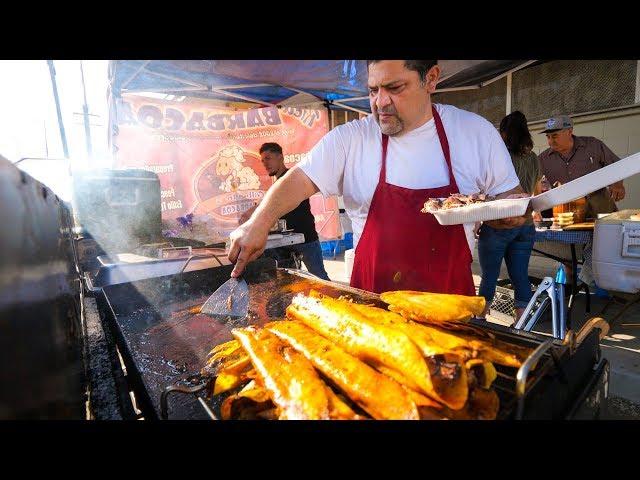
(616,251)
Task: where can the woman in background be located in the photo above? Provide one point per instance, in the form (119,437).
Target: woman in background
(512,244)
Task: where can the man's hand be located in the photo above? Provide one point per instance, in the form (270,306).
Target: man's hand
(476,229)
(250,238)
(511,222)
(617,191)
(247,244)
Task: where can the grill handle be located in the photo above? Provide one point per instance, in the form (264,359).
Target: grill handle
(523,373)
(164,401)
(595,322)
(573,340)
(204,255)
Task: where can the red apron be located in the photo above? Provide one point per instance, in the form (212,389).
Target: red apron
(404,249)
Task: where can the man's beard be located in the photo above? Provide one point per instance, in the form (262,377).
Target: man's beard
(392,126)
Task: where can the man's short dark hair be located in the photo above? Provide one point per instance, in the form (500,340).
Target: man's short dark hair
(271,147)
(420,66)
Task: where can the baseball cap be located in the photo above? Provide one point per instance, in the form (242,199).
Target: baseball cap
(558,122)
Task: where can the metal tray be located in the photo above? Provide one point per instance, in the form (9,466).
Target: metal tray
(124,268)
(483,211)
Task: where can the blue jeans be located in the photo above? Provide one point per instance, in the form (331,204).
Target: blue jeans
(514,245)
(311,257)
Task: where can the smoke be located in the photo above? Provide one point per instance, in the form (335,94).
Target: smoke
(119,209)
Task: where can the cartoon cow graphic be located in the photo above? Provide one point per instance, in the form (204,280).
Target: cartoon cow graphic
(238,177)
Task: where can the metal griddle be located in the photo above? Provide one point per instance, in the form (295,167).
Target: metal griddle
(164,342)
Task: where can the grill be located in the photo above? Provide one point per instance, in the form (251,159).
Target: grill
(164,343)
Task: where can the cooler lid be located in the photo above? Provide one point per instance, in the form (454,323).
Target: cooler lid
(631,215)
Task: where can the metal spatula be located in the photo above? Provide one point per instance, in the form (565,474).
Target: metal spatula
(230,299)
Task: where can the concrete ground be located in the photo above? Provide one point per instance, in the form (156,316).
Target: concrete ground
(621,346)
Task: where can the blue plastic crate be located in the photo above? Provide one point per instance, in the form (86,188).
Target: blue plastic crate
(348,240)
(328,247)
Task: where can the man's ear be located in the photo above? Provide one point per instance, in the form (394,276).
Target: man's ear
(433,75)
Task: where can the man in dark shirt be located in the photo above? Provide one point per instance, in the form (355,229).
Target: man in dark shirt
(570,157)
(300,219)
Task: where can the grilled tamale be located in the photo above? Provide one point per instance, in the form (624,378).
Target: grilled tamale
(433,307)
(419,335)
(229,357)
(293,384)
(418,398)
(483,404)
(481,372)
(226,381)
(338,408)
(224,349)
(378,395)
(483,346)
(248,404)
(435,339)
(230,364)
(377,344)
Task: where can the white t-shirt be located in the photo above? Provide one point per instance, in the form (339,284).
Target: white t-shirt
(348,159)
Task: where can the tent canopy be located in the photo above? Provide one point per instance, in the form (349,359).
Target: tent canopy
(339,84)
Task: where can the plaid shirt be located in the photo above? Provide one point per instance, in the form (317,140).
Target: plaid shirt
(587,155)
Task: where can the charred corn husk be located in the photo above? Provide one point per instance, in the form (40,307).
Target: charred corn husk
(294,385)
(378,344)
(378,395)
(433,307)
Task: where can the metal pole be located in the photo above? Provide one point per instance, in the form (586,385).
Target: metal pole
(46,142)
(637,99)
(508,102)
(52,72)
(85,109)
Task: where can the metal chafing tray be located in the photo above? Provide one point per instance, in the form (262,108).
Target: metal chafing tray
(128,267)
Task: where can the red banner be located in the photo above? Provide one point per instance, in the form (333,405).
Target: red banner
(208,161)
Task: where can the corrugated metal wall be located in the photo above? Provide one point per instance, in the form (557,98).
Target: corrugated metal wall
(573,86)
(489,101)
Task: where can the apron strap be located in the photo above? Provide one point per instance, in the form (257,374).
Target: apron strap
(444,143)
(383,170)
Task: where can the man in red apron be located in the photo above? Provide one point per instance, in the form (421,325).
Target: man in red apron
(398,247)
(426,256)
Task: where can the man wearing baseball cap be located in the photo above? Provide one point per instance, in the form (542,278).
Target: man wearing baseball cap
(570,157)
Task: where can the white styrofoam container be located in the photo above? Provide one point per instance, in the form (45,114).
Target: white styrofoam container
(616,252)
(588,183)
(483,211)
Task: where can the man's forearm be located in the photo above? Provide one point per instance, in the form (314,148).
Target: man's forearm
(285,195)
(510,222)
(247,214)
